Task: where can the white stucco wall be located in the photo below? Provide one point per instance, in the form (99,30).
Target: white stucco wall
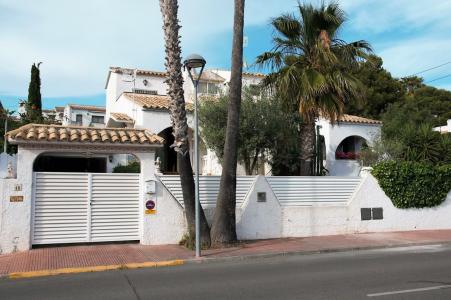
(335,134)
(15,220)
(329,220)
(259,220)
(16,217)
(70,117)
(255,220)
(167,225)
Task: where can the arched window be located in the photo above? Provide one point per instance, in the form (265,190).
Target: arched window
(350,148)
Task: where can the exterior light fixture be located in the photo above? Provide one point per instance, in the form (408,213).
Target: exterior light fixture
(192,63)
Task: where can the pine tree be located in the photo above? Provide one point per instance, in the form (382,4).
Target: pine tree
(34,104)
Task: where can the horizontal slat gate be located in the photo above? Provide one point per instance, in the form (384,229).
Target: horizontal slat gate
(60,208)
(84,207)
(115,207)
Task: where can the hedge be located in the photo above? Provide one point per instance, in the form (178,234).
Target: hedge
(413,184)
(133,167)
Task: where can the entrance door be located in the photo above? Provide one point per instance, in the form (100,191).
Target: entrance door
(85,207)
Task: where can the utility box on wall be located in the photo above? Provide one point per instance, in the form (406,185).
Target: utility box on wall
(375,213)
(150,187)
(261,196)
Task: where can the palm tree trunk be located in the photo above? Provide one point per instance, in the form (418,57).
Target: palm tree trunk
(174,81)
(223,230)
(307,148)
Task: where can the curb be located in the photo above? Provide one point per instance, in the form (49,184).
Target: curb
(205,260)
(128,266)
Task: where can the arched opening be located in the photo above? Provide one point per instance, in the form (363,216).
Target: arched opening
(86,163)
(168,157)
(350,148)
(167,154)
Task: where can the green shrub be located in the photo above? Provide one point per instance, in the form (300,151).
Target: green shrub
(413,184)
(133,167)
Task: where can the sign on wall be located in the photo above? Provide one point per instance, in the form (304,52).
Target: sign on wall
(150,207)
(15,198)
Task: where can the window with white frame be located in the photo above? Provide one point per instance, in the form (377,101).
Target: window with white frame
(98,119)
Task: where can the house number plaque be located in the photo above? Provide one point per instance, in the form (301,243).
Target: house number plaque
(15,198)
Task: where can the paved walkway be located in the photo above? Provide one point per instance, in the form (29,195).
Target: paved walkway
(122,254)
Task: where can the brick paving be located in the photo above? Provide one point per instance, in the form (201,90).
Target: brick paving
(118,254)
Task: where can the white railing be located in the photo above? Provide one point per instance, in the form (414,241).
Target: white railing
(308,191)
(209,188)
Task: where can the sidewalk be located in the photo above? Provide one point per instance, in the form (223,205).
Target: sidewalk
(87,258)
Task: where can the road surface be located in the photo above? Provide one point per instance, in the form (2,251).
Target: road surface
(418,272)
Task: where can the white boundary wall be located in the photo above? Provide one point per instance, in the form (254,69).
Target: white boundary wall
(277,219)
(273,218)
(16,217)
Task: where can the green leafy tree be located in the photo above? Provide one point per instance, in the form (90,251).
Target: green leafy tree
(9,123)
(311,69)
(34,103)
(407,134)
(265,131)
(381,89)
(437,102)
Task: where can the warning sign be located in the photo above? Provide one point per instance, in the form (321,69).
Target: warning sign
(150,207)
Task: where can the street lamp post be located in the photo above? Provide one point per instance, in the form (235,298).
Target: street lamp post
(192,63)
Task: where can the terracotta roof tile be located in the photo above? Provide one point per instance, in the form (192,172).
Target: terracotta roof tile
(153,101)
(249,74)
(208,75)
(76,134)
(120,117)
(138,71)
(88,107)
(356,119)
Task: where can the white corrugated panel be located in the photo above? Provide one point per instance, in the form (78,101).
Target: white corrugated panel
(209,188)
(60,208)
(313,190)
(115,207)
(85,207)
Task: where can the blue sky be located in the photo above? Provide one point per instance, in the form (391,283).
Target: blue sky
(78,40)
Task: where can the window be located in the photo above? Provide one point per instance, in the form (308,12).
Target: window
(79,119)
(98,119)
(147,92)
(208,88)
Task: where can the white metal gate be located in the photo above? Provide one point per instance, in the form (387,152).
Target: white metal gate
(85,207)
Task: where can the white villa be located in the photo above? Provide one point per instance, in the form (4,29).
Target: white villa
(63,189)
(137,99)
(445,128)
(77,115)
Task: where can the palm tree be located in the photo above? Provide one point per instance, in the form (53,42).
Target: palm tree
(174,80)
(223,230)
(310,69)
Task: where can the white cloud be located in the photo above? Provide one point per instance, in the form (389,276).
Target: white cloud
(78,40)
(408,57)
(379,16)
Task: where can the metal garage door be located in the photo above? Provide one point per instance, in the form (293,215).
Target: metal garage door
(85,207)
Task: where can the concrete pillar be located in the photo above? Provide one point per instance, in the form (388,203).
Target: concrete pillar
(16,213)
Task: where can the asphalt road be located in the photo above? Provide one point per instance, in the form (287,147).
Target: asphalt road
(421,272)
